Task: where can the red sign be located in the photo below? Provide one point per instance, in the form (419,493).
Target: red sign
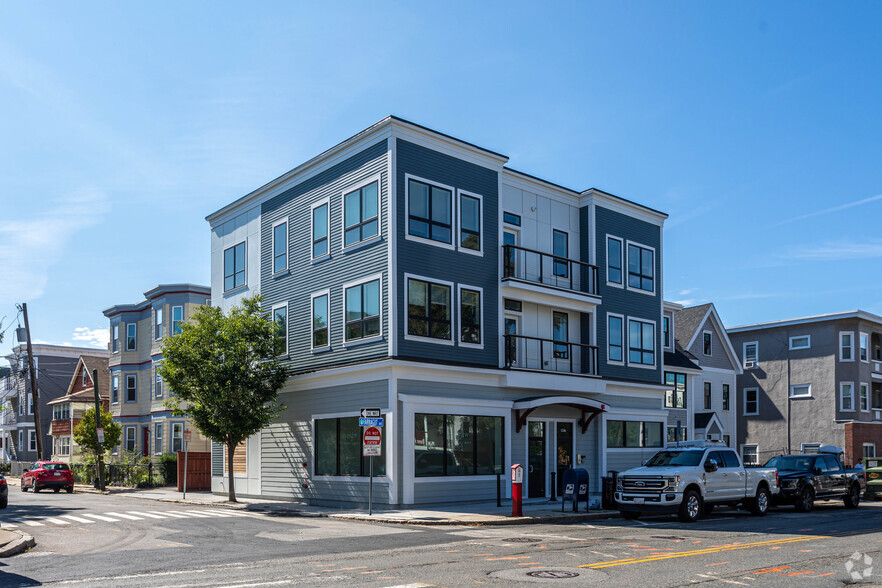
(372,436)
(187,436)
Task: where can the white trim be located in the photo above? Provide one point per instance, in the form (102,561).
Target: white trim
(157,377)
(744,355)
(624,341)
(459,247)
(815,444)
(343,288)
(850,347)
(453,213)
(860,314)
(863,387)
(710,341)
(744,392)
(377,177)
(458,321)
(317,204)
(842,386)
(793,387)
(126,397)
(312,297)
(158,424)
(808,344)
(392,259)
(453,321)
(627,264)
(861,338)
(273,246)
(161,310)
(751,445)
(172,323)
(621,261)
(125,442)
(287,324)
(135,348)
(864,446)
(655,350)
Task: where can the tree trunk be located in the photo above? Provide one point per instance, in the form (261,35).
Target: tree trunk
(231,448)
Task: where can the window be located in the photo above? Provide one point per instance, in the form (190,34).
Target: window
(801,342)
(157,438)
(362,310)
(177,319)
(633,434)
(280,319)
(157,323)
(85,377)
(361,219)
(131,388)
(616,338)
(727,440)
(846,396)
(338,449)
(513,305)
(864,346)
(641,342)
(511,219)
(470,222)
(877,397)
(157,383)
(666,331)
(30,403)
(751,354)
(320,324)
(614,260)
(130,439)
(846,346)
(751,401)
(234,267)
(32,440)
(21,440)
(725,396)
(869,450)
(675,396)
(428,309)
(64,445)
(750,454)
(672,434)
(61,412)
(865,399)
(560,248)
(641,268)
(280,246)
(177,440)
(801,391)
(470,331)
(114,337)
(457,445)
(131,336)
(429,211)
(707,343)
(707,396)
(114,389)
(320,246)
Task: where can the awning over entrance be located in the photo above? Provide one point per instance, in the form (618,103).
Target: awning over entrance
(590,408)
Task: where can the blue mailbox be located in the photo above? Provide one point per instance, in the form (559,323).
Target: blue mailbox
(575,488)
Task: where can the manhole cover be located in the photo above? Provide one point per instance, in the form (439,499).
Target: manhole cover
(521,540)
(552,574)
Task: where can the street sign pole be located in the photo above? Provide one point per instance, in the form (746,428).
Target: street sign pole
(186,451)
(371,440)
(371,490)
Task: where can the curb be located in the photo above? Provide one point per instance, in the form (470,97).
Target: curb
(17,545)
(478,523)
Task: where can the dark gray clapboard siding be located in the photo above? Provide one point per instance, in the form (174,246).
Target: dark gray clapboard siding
(718,357)
(622,401)
(305,277)
(442,390)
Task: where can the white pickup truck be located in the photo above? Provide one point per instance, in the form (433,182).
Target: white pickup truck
(691,478)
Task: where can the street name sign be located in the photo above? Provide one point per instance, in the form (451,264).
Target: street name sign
(362,422)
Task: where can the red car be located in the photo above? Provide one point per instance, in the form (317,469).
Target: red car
(48,474)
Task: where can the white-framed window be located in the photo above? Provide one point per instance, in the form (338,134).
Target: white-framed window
(320,229)
(751,401)
(429,310)
(177,440)
(157,438)
(361,213)
(85,377)
(64,445)
(864,397)
(234,267)
(280,245)
(641,268)
(114,389)
(641,342)
(801,391)
(321,320)
(707,343)
(362,309)
(801,342)
(30,403)
(280,320)
(32,440)
(177,319)
(157,382)
(614,251)
(869,450)
(131,438)
(846,396)
(21,441)
(131,336)
(615,341)
(131,388)
(429,211)
(471,214)
(846,346)
(864,347)
(157,323)
(471,316)
(114,338)
(751,354)
(750,454)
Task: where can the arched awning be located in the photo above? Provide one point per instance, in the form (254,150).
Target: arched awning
(525,406)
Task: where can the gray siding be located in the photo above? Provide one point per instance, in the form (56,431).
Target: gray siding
(306,277)
(718,357)
(442,390)
(435,262)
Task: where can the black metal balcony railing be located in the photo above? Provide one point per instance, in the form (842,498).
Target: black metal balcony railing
(543,268)
(534,353)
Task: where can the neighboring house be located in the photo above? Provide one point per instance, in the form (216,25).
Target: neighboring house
(137,393)
(7,415)
(495,318)
(67,410)
(700,370)
(54,365)
(809,382)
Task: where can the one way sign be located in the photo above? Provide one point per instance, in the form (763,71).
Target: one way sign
(370,412)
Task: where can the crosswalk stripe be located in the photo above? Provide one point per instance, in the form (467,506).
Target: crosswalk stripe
(101,518)
(124,516)
(172,514)
(196,513)
(229,513)
(55,521)
(77,519)
(210,512)
(8,525)
(145,514)
(28,523)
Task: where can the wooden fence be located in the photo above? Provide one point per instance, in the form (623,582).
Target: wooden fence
(198,470)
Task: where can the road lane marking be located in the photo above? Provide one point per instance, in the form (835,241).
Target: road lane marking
(101,518)
(145,514)
(227,513)
(767,570)
(77,519)
(124,516)
(211,513)
(28,523)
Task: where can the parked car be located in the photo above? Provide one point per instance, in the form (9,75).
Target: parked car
(873,475)
(48,474)
(4,492)
(807,478)
(690,479)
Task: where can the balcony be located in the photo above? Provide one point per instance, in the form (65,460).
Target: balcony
(523,352)
(543,278)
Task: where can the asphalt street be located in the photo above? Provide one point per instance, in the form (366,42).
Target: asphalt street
(92,540)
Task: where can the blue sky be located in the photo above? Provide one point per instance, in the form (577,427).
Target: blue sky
(755,126)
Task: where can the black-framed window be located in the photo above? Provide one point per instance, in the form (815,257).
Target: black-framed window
(511,219)
(361,214)
(469,222)
(320,231)
(666,330)
(707,396)
(280,320)
(320,332)
(560,248)
(725,396)
(675,396)
(457,445)
(430,212)
(560,332)
(470,316)
(131,388)
(633,434)
(280,247)
(428,309)
(751,401)
(614,260)
(641,267)
(513,305)
(338,449)
(706,340)
(672,434)
(131,337)
(234,266)
(363,310)
(641,342)
(616,335)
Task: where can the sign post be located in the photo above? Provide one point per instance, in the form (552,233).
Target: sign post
(371,445)
(99,431)
(186,451)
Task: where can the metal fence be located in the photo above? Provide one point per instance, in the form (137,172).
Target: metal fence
(115,474)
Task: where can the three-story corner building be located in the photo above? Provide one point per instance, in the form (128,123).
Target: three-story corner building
(494,317)
(137,393)
(809,382)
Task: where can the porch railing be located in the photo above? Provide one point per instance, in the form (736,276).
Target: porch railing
(538,354)
(550,270)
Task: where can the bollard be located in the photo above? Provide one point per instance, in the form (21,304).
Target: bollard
(498,489)
(553,487)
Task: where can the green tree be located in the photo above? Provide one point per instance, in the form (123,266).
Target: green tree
(222,374)
(86,437)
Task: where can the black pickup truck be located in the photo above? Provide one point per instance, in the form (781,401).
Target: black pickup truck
(805,478)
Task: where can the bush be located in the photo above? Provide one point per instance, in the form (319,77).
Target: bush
(168,468)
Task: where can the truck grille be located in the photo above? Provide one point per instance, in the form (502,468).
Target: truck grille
(643,485)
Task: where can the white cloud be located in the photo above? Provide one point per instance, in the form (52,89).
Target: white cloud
(94,337)
(837,251)
(830,210)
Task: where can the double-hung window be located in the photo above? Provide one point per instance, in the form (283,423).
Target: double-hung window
(470,222)
(157,438)
(428,309)
(846,346)
(641,342)
(750,354)
(32,440)
(429,211)
(864,346)
(234,266)
(641,268)
(470,331)
(177,441)
(114,336)
(157,383)
(131,388)
(320,320)
(320,246)
(675,396)
(157,323)
(361,219)
(707,396)
(725,396)
(177,319)
(865,398)
(615,339)
(114,389)
(362,303)
(846,396)
(666,331)
(280,320)
(131,336)
(751,401)
(130,438)
(614,260)
(707,343)
(280,246)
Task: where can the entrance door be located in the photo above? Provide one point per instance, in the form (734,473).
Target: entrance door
(510,256)
(511,347)
(564,452)
(536,459)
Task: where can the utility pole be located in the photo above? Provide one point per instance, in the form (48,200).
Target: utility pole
(99,431)
(34,393)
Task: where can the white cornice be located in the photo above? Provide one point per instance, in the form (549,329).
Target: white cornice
(625,207)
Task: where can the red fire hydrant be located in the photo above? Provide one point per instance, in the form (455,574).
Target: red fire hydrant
(517,490)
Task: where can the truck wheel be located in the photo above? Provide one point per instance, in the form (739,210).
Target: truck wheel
(806,500)
(853,498)
(690,508)
(630,516)
(759,505)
